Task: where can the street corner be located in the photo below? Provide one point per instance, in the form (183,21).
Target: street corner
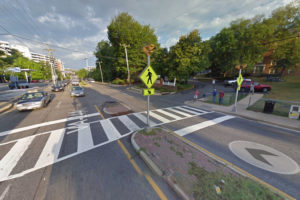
(264,157)
(115,108)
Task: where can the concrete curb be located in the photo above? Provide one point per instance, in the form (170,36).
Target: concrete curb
(157,170)
(247,117)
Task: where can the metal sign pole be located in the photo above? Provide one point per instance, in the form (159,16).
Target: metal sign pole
(148,97)
(236,94)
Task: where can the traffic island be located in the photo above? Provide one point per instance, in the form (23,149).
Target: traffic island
(192,173)
(114,108)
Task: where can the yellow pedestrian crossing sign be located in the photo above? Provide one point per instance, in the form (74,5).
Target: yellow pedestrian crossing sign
(148,76)
(148,92)
(239,81)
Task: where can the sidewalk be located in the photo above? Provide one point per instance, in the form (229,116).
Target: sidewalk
(243,112)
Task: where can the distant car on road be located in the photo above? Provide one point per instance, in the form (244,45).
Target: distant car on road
(57,88)
(77,91)
(34,81)
(91,80)
(33,100)
(75,82)
(257,86)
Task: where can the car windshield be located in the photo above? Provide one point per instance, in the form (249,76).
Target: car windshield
(32,95)
(76,88)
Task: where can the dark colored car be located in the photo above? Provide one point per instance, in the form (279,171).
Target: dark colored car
(33,100)
(57,88)
(257,86)
(20,84)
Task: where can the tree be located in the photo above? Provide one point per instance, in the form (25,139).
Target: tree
(160,61)
(82,73)
(124,29)
(187,56)
(285,23)
(104,54)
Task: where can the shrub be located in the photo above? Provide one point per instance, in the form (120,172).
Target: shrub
(118,81)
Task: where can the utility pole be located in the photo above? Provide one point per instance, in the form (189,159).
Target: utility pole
(50,55)
(101,70)
(128,77)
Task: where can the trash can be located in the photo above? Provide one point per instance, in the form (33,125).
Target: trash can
(269,106)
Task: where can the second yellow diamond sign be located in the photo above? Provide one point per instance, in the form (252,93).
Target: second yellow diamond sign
(148,76)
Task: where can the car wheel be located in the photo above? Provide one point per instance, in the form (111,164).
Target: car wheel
(265,89)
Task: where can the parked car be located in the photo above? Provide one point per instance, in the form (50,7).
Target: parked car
(91,80)
(257,86)
(57,88)
(34,81)
(77,91)
(33,100)
(232,82)
(19,84)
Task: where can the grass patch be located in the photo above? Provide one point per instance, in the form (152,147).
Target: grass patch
(83,83)
(280,108)
(179,153)
(172,148)
(156,144)
(287,90)
(228,100)
(149,133)
(182,87)
(232,187)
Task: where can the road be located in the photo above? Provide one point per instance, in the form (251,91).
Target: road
(73,150)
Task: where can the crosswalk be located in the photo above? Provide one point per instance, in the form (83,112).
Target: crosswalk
(80,136)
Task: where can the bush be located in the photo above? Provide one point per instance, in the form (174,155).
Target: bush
(118,81)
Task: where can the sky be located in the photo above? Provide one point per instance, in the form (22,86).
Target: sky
(74,27)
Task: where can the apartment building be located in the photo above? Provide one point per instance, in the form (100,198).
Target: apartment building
(4,46)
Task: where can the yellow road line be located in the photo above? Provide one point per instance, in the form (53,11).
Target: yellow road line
(136,167)
(156,188)
(99,111)
(232,165)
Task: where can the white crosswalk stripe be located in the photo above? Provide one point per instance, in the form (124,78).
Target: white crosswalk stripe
(49,153)
(9,161)
(169,114)
(144,119)
(196,109)
(160,118)
(179,112)
(51,150)
(111,132)
(128,123)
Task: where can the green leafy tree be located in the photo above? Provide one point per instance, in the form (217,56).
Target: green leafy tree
(285,23)
(82,73)
(187,56)
(104,54)
(124,29)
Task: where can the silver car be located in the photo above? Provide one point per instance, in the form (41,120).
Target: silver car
(77,91)
(33,100)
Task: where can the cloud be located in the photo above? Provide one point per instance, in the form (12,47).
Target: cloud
(58,19)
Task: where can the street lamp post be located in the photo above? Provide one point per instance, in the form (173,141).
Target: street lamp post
(101,70)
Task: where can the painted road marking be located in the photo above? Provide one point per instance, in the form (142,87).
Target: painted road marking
(85,140)
(158,117)
(196,109)
(196,127)
(264,157)
(179,112)
(58,104)
(186,110)
(128,123)
(49,153)
(9,161)
(3,195)
(51,150)
(45,124)
(110,130)
(144,119)
(169,114)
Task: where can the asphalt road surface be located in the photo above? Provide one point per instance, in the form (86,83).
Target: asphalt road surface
(73,150)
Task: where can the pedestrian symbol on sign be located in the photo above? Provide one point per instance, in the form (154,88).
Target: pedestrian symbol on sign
(150,76)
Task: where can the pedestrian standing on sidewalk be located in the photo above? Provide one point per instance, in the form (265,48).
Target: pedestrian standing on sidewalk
(221,96)
(252,88)
(196,94)
(214,95)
